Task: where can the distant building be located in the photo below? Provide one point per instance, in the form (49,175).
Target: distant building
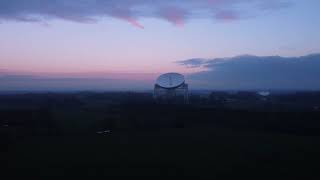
(264,95)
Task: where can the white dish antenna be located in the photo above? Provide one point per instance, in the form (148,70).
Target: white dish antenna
(170,80)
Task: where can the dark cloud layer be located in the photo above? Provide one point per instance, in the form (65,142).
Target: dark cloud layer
(192,63)
(174,11)
(254,72)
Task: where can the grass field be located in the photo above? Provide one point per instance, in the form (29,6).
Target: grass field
(83,138)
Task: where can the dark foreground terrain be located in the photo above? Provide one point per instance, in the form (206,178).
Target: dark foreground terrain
(127,134)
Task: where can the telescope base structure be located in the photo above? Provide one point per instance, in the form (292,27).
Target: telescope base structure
(173,95)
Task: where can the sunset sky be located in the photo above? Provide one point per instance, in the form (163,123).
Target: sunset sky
(143,38)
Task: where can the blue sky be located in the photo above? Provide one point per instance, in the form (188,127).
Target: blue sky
(114,38)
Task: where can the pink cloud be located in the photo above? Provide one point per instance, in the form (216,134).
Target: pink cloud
(127,15)
(174,11)
(227,15)
(174,15)
(133,22)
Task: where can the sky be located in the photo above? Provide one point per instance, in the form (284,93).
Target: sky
(128,43)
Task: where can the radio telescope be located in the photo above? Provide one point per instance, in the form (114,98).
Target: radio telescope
(170,86)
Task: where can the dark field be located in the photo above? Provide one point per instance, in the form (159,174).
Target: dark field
(219,136)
